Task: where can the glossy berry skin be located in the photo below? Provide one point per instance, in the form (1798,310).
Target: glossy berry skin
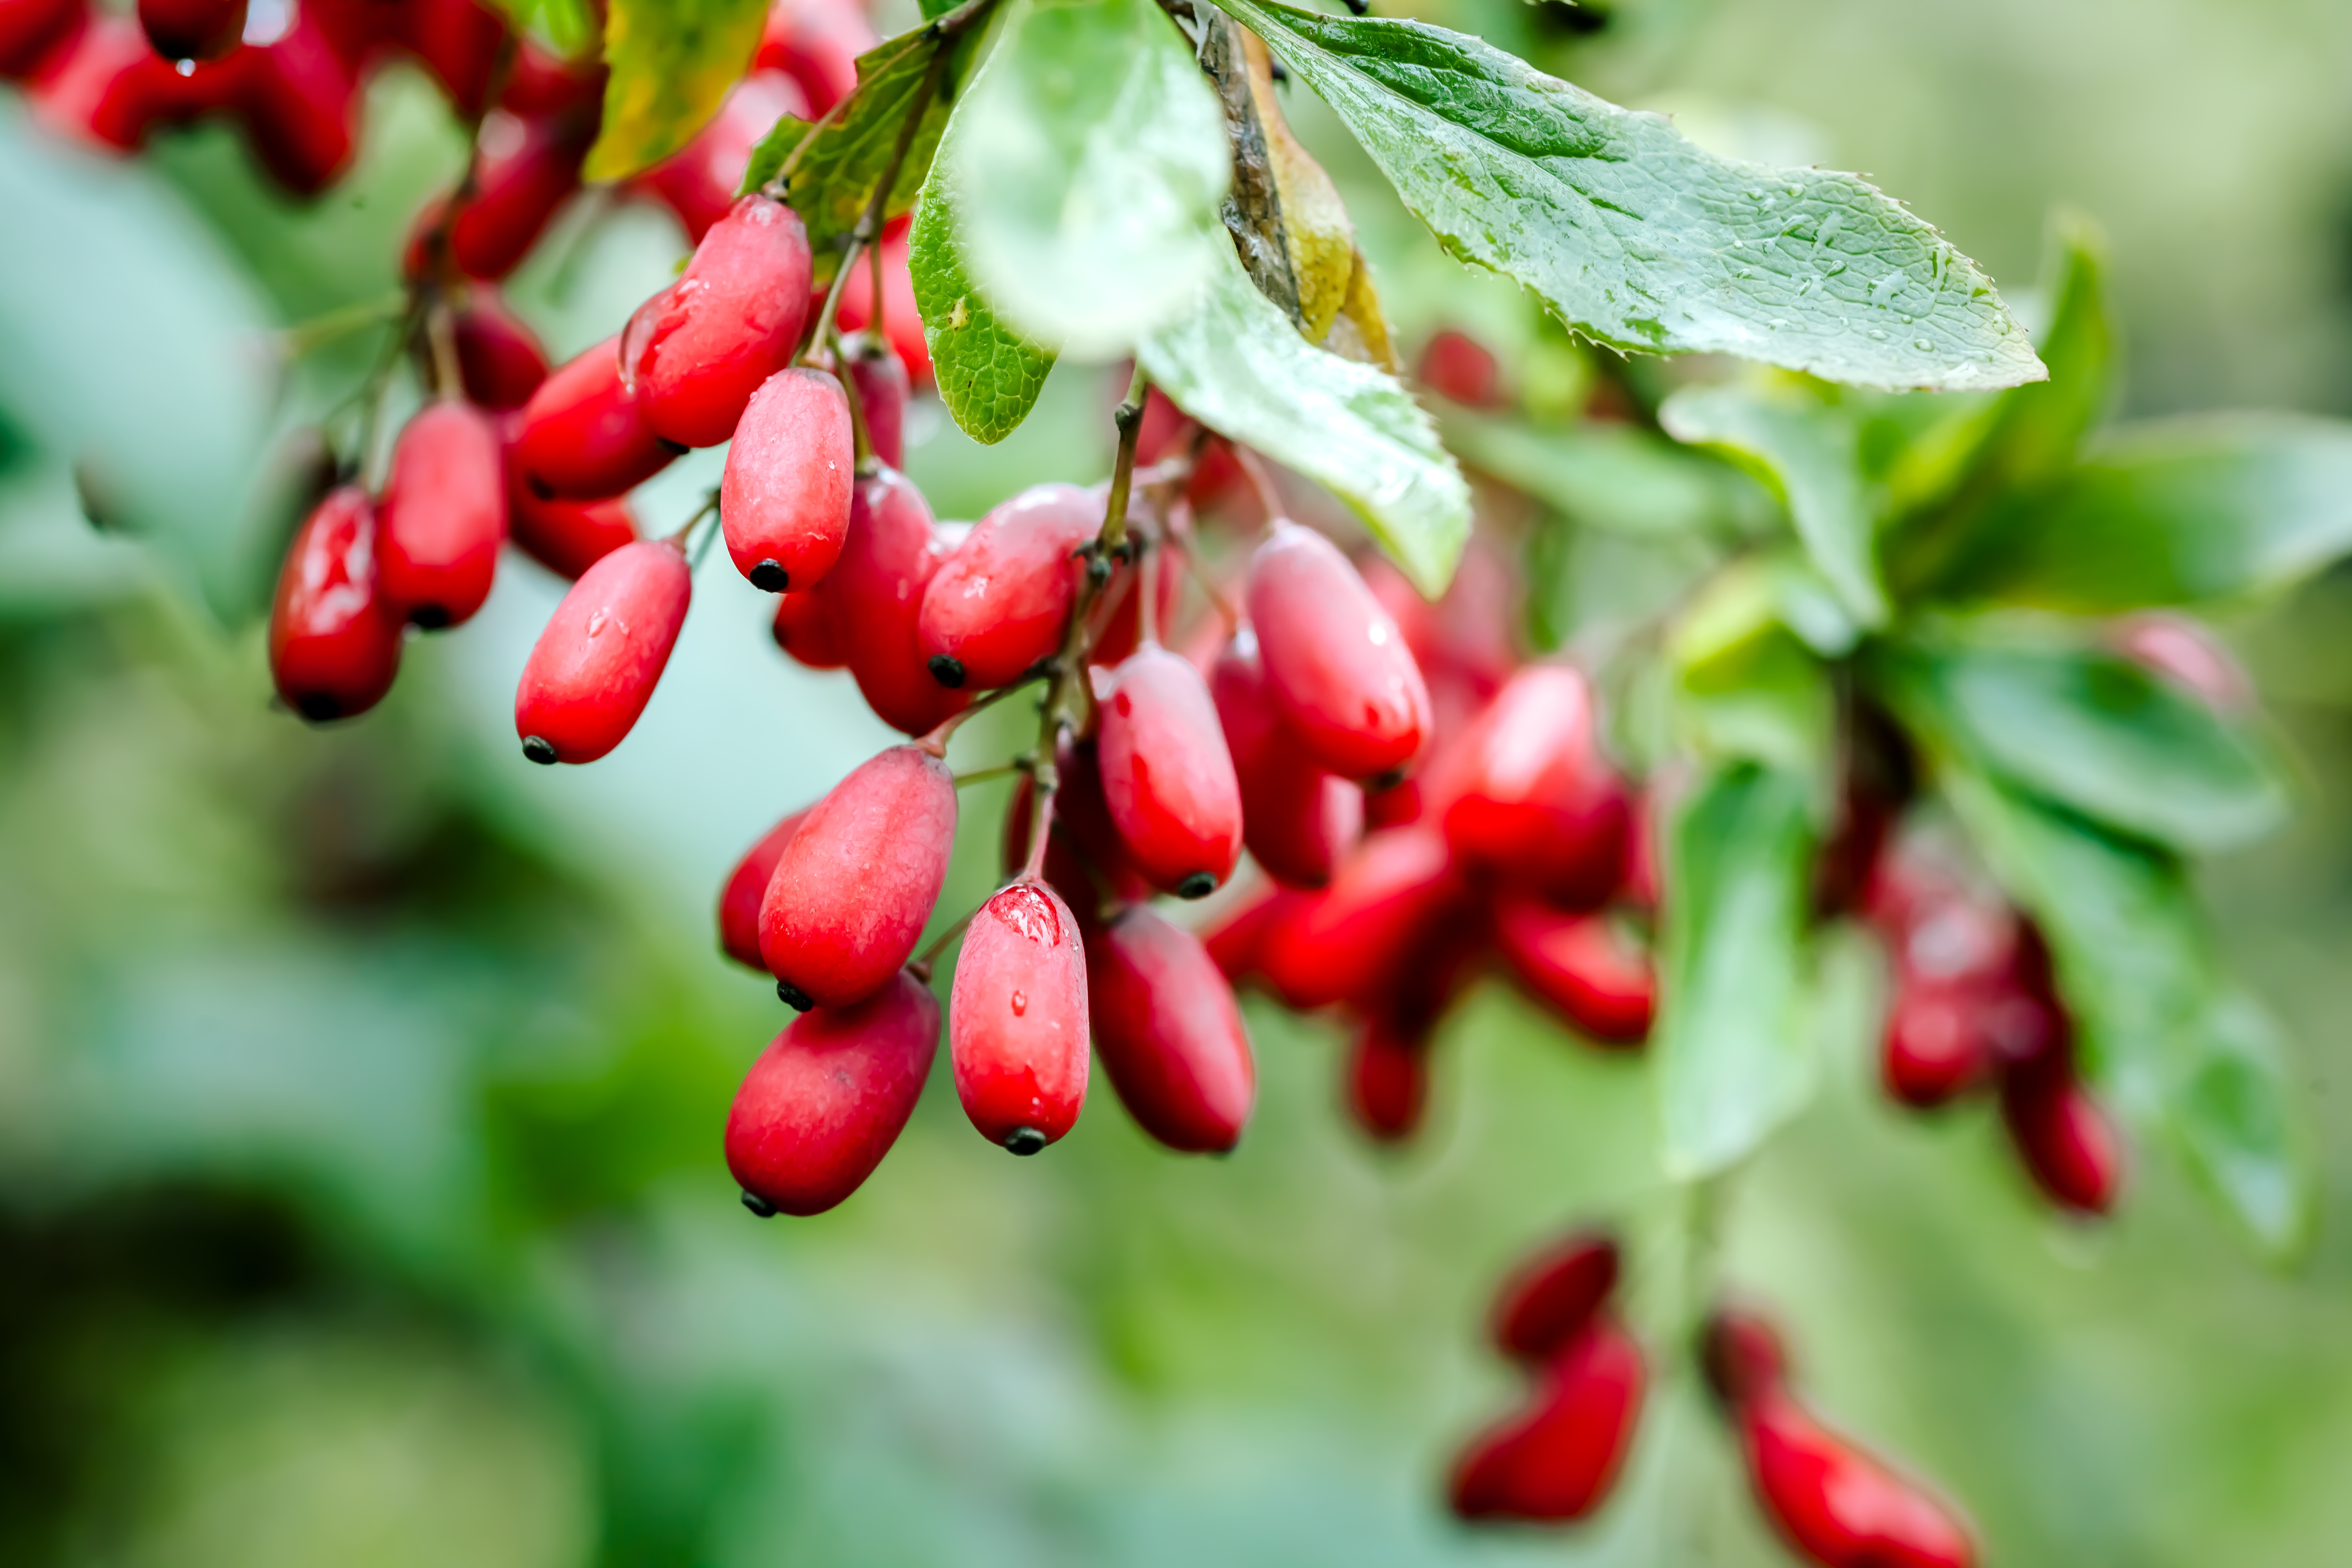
(747,888)
(874,595)
(594,667)
(1002,599)
(1742,1357)
(825,1102)
(1558,1461)
(1353,939)
(456,41)
(803,630)
(1166,776)
(2068,1145)
(1336,664)
(31,29)
(852,889)
(1297,819)
(297,97)
(1554,1297)
(1836,1505)
(1387,1080)
(193,29)
(784,500)
(882,390)
(499,359)
(699,182)
(1018,1020)
(518,192)
(567,537)
(335,647)
(1531,799)
(444,515)
(1168,1032)
(1580,967)
(698,349)
(1460,369)
(581,435)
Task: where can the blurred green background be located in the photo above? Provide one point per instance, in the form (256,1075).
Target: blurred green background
(361,1090)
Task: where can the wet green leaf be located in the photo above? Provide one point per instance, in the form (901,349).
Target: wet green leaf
(988,374)
(672,62)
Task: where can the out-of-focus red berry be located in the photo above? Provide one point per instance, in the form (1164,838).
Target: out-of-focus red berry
(747,888)
(335,647)
(874,595)
(699,182)
(1460,369)
(1334,659)
(1168,1032)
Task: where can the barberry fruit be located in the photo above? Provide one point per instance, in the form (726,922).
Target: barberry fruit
(594,667)
(698,180)
(1529,796)
(882,392)
(1334,659)
(1387,1081)
(567,537)
(1002,602)
(747,888)
(1352,940)
(1297,819)
(1018,1020)
(1168,1032)
(335,647)
(444,515)
(1580,966)
(696,351)
(1460,369)
(499,360)
(581,435)
(1165,775)
(784,500)
(874,596)
(2069,1147)
(1837,1505)
(1554,1296)
(1558,1462)
(803,630)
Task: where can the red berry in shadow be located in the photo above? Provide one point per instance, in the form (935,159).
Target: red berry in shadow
(1168,1032)
(747,888)
(1166,776)
(1529,796)
(581,435)
(882,392)
(1334,659)
(1579,966)
(499,359)
(874,595)
(335,647)
(803,630)
(1297,819)
(193,29)
(1554,1296)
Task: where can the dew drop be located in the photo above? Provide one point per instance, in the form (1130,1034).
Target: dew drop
(1020,1003)
(1879,333)
(1834,268)
(1922,345)
(596,622)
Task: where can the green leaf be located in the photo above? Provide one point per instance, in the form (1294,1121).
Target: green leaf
(2184,1050)
(1635,236)
(2100,734)
(833,183)
(1094,161)
(1614,476)
(1746,685)
(1236,364)
(2177,511)
(988,376)
(1805,451)
(1735,1058)
(567,25)
(672,61)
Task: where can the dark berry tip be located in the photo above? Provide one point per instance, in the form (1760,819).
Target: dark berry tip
(758,1205)
(318,707)
(792,996)
(1024,1141)
(770,576)
(674,448)
(1199,885)
(1388,780)
(947,672)
(429,617)
(539,751)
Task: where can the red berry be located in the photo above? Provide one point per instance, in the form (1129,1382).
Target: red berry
(334,645)
(1002,602)
(1742,1357)
(1082,822)
(567,537)
(1299,820)
(826,1101)
(1169,1033)
(784,500)
(699,182)
(816,43)
(1459,368)
(1579,965)
(1558,1461)
(594,667)
(882,393)
(874,595)
(499,358)
(297,99)
(1836,1505)
(696,351)
(1531,799)
(852,891)
(582,435)
(1123,631)
(1237,943)
(193,29)
(2069,1147)
(1165,775)
(444,516)
(539,86)
(1554,1296)
(530,169)
(457,42)
(1018,1020)
(1938,1044)
(1357,937)
(803,630)
(902,319)
(747,888)
(1334,659)
(1387,1078)
(30,30)
(102,83)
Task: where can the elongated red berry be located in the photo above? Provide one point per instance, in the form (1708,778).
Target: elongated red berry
(1002,602)
(1165,775)
(1169,1033)
(567,537)
(1352,940)
(1118,607)
(880,378)
(1558,1461)
(528,170)
(1459,367)
(1742,1357)
(2069,1147)
(594,667)
(826,1101)
(1300,820)
(852,889)
(1018,1020)
(296,98)
(1387,1081)
(457,42)
(333,645)
(698,349)
(747,889)
(803,630)
(581,435)
(1084,861)
(1838,1506)
(783,502)
(30,30)
(1938,1044)
(1334,659)
(1531,797)
(874,595)
(193,29)
(444,515)
(1582,967)
(499,358)
(1554,1296)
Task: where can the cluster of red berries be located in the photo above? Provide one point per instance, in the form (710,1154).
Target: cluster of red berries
(1556,1460)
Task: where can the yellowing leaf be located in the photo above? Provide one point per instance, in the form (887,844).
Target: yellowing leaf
(672,61)
(1321,241)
